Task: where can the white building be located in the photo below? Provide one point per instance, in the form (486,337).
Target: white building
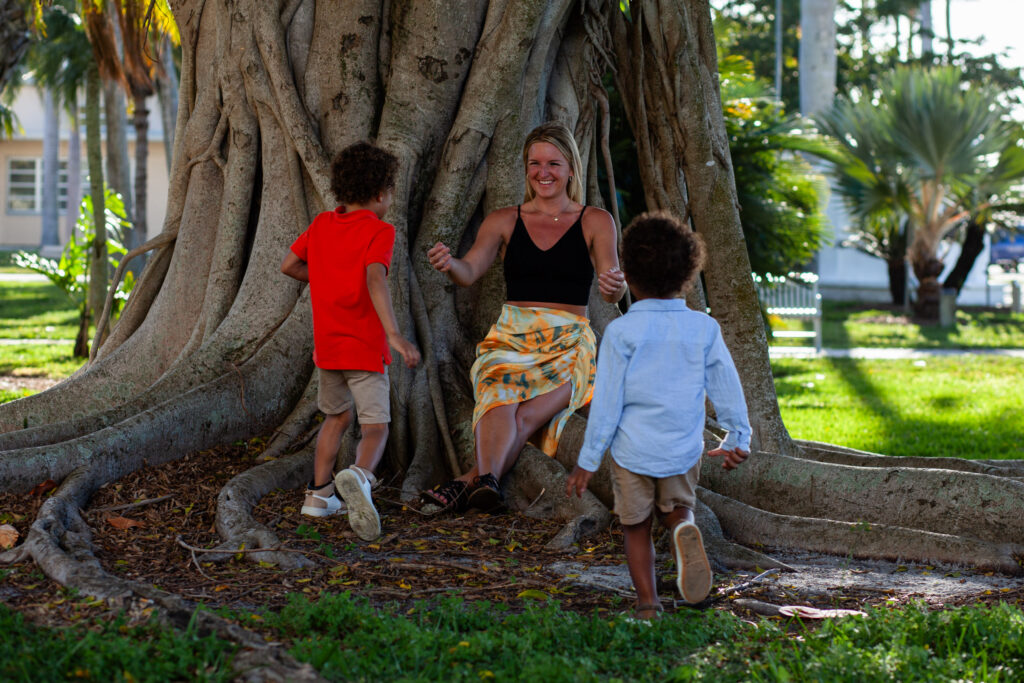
(21,173)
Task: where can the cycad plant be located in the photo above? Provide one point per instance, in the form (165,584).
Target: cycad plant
(910,153)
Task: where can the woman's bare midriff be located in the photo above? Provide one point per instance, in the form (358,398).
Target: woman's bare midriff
(568,308)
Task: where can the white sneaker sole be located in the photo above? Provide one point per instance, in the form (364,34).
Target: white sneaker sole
(362,515)
(694,571)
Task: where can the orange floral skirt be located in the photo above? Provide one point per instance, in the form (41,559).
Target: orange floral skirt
(530,352)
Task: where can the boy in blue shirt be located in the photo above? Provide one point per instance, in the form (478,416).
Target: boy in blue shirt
(655,367)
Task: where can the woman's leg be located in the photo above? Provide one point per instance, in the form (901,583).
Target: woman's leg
(503,431)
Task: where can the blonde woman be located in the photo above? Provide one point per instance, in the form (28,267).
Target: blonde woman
(536,364)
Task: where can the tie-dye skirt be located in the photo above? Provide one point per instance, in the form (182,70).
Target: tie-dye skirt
(530,352)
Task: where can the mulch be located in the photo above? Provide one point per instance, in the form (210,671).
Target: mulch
(500,558)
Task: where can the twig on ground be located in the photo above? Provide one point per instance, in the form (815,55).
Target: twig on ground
(745,585)
(542,492)
(129,506)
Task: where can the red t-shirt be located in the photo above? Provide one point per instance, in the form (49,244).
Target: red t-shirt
(337,247)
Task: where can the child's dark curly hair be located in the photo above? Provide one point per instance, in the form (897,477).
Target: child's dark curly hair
(660,255)
(362,171)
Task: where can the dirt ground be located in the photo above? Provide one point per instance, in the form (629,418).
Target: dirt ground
(143,523)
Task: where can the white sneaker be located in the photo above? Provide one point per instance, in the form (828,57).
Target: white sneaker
(694,571)
(354,487)
(317,505)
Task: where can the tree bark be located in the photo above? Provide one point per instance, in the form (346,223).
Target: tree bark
(214,344)
(970,249)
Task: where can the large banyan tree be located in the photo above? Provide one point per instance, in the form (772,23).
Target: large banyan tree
(215,344)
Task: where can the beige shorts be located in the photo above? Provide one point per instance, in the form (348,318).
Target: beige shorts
(637,494)
(369,390)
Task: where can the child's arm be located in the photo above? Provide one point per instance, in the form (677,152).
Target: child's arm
(293,266)
(726,393)
(377,283)
(605,410)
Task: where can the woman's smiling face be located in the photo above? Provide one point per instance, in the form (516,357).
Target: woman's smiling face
(547,170)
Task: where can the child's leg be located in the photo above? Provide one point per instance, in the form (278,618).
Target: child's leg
(675,501)
(371,445)
(328,441)
(370,391)
(640,561)
(634,503)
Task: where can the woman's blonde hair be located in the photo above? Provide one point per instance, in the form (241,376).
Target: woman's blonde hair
(557,134)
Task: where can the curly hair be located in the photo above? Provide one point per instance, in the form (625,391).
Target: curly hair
(660,255)
(557,134)
(362,171)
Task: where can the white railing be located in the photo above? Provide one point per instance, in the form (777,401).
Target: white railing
(794,296)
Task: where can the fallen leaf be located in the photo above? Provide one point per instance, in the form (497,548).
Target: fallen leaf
(533,594)
(44,487)
(123,522)
(8,536)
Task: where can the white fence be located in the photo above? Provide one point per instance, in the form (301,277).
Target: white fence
(795,297)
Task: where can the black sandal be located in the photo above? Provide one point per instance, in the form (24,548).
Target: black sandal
(449,496)
(486,495)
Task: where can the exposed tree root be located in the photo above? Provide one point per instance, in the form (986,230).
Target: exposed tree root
(724,553)
(753,526)
(965,504)
(59,541)
(841,455)
(536,486)
(298,428)
(235,522)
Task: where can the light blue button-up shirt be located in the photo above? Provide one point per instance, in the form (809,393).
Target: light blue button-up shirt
(655,366)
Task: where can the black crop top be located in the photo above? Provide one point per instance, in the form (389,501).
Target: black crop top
(562,274)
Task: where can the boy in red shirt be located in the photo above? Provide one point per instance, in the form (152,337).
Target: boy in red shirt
(344,255)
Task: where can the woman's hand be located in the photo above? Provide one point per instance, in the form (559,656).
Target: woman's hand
(612,284)
(440,257)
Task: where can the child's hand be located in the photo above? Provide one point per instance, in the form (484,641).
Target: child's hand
(410,354)
(440,257)
(610,282)
(577,481)
(731,459)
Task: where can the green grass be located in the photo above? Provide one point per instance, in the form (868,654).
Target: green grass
(346,639)
(913,644)
(47,360)
(36,310)
(966,406)
(848,325)
(109,651)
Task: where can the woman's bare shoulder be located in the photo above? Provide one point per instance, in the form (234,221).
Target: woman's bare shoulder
(501,220)
(597,219)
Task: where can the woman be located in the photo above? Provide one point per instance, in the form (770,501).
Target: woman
(536,365)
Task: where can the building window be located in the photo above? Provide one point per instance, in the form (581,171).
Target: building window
(25,186)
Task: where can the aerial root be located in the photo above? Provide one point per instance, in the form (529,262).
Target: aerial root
(749,525)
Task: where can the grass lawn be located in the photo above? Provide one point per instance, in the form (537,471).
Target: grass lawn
(849,325)
(347,639)
(36,310)
(967,406)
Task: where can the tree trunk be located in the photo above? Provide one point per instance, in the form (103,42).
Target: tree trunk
(970,249)
(98,265)
(50,240)
(927,28)
(139,232)
(118,168)
(167,95)
(214,344)
(74,173)
(817,55)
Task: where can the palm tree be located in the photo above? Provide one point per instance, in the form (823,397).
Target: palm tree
(143,26)
(995,201)
(915,152)
(59,63)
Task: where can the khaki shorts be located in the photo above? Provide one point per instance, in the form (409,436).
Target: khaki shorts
(370,391)
(637,494)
